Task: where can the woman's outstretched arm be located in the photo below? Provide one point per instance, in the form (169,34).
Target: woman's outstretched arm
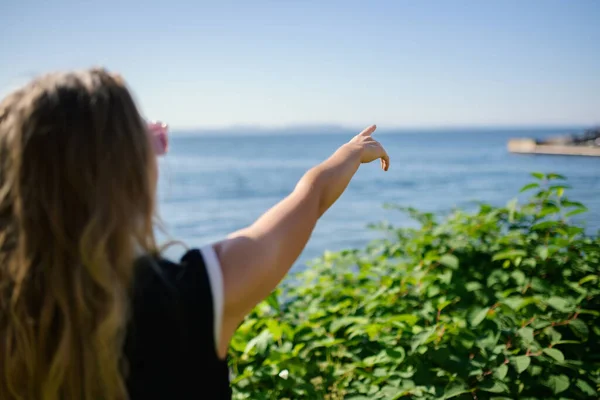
(255,259)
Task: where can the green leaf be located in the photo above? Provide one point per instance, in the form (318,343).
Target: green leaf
(526,334)
(380,358)
(514,302)
(585,387)
(549,209)
(398,354)
(260,342)
(555,176)
(576,211)
(409,319)
(588,278)
(529,186)
(542,251)
(579,328)
(509,254)
(538,175)
(590,312)
(553,334)
(339,323)
(535,370)
(444,304)
(556,188)
(568,203)
(544,225)
(512,209)
(518,276)
(445,277)
(567,342)
(449,260)
(478,315)
(422,337)
(275,329)
(493,386)
(559,304)
(540,285)
(522,363)
(558,383)
(554,353)
(501,372)
(273,301)
(455,389)
(473,286)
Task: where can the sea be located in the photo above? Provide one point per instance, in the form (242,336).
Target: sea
(214,182)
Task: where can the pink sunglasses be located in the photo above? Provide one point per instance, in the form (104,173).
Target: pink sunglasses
(159,135)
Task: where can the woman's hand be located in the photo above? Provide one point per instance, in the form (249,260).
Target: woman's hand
(370,148)
(159,136)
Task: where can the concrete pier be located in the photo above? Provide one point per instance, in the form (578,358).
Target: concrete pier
(529,146)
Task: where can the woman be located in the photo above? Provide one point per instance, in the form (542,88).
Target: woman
(88,307)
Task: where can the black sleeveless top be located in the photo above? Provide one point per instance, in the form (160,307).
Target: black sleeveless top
(170,343)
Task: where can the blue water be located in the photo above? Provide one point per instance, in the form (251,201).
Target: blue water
(215,183)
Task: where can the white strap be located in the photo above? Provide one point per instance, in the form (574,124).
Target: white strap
(215,276)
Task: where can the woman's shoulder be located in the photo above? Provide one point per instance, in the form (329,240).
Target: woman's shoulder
(198,265)
(194,283)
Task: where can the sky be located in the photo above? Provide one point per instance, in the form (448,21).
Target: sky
(395,63)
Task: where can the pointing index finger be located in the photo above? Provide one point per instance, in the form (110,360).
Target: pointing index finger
(368,131)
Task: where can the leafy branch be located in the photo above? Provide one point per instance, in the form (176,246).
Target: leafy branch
(500,303)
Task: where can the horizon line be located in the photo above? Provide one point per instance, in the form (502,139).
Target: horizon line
(381,128)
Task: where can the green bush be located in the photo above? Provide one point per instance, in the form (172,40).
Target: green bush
(501,303)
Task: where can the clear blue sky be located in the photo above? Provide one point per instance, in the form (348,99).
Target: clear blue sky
(394,63)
